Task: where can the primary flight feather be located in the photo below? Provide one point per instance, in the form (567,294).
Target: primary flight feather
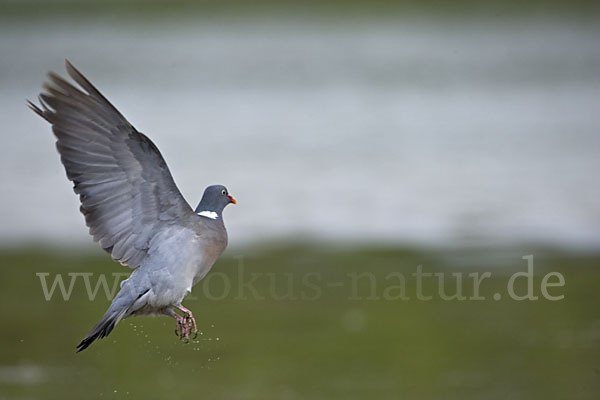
(132,206)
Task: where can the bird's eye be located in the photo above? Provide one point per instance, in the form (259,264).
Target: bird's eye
(223,192)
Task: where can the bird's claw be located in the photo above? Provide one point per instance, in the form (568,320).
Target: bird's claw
(185,326)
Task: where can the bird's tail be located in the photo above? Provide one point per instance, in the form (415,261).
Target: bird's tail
(102,328)
(115,313)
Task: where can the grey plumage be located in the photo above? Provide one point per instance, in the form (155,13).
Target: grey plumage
(131,203)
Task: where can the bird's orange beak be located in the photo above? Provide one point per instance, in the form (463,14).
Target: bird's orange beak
(232,200)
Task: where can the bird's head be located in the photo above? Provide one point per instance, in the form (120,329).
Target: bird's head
(214,200)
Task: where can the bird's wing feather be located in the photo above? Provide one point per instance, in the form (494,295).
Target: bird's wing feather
(126,190)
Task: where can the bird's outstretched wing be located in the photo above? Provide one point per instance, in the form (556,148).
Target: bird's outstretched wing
(126,190)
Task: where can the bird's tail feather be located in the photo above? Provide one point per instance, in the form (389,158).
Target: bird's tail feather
(102,328)
(115,313)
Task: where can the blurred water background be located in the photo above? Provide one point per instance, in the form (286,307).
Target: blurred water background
(412,130)
(359,137)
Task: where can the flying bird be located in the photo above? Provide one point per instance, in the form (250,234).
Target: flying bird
(132,206)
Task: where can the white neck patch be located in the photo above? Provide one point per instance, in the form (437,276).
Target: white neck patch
(208,214)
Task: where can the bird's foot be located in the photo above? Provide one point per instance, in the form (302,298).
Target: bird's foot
(186,325)
(183,328)
(180,326)
(193,326)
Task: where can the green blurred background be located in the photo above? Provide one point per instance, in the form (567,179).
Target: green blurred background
(334,343)
(360,138)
